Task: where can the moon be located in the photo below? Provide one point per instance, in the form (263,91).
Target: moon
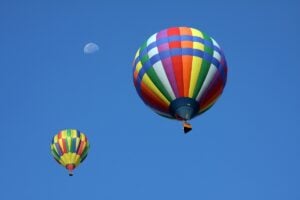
(90,48)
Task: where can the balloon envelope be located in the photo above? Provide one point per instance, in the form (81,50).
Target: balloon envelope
(179,72)
(69,148)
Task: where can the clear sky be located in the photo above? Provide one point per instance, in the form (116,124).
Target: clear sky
(246,147)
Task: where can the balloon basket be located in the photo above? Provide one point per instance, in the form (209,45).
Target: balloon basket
(187,127)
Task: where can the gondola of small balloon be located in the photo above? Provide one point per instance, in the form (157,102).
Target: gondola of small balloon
(180,72)
(70,147)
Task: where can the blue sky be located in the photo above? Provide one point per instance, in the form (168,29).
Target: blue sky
(245,147)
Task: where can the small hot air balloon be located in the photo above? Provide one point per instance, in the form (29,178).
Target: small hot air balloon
(180,72)
(69,148)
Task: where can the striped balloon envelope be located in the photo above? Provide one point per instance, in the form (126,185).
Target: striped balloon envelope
(69,148)
(180,72)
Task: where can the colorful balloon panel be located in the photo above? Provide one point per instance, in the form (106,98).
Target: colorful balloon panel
(69,148)
(179,62)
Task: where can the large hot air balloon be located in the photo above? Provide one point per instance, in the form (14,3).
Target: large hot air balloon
(69,148)
(180,72)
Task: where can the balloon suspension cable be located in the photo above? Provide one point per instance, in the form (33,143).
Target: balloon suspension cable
(187,127)
(70,173)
